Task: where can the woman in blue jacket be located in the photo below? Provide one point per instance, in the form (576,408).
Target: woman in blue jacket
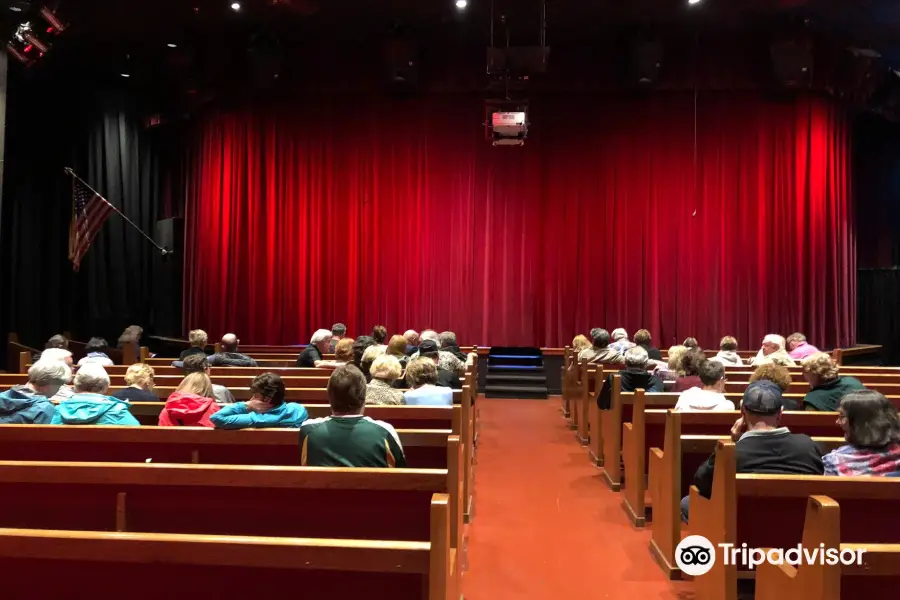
(90,405)
(266,407)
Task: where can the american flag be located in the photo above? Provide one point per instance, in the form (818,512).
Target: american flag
(89,213)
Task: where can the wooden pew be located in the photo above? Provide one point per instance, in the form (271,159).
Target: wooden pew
(671,476)
(349,503)
(648,427)
(566,375)
(319,394)
(877,577)
(741,511)
(176,566)
(424,448)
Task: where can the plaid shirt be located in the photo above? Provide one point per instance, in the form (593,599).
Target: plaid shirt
(849,460)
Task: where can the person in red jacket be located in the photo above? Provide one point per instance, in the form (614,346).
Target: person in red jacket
(191,404)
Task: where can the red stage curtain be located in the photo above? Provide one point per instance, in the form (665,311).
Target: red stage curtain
(398,212)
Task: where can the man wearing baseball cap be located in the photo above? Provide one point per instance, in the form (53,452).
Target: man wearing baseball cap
(761,446)
(429,349)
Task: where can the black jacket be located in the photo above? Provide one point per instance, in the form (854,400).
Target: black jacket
(455,351)
(632,379)
(231,359)
(308,357)
(448,379)
(652,353)
(776,452)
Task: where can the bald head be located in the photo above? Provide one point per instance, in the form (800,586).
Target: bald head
(229,342)
(411,336)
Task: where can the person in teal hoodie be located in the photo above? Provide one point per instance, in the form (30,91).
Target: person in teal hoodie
(90,405)
(29,403)
(266,407)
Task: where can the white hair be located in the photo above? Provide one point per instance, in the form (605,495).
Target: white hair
(91,378)
(774,338)
(430,334)
(636,357)
(321,335)
(619,334)
(55,354)
(447,338)
(372,352)
(49,372)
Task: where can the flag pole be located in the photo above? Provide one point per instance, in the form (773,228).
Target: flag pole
(163,250)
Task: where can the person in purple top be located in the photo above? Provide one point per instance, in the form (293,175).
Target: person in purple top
(797,347)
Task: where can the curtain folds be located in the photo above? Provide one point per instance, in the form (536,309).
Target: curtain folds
(398,212)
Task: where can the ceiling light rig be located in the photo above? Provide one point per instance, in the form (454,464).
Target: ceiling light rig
(31,39)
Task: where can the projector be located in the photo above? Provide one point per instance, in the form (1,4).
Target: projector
(510,128)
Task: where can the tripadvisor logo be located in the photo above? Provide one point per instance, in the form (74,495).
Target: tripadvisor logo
(696,555)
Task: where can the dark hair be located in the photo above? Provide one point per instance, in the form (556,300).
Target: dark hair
(359,348)
(872,420)
(269,386)
(338,329)
(96,344)
(195,363)
(691,361)
(711,371)
(347,390)
(691,343)
(642,337)
(728,344)
(601,339)
(57,341)
(379,333)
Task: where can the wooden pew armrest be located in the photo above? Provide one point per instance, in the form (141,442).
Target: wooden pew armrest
(654,468)
(775,582)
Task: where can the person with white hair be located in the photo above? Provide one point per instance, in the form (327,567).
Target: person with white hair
(91,405)
(412,341)
(64,356)
(621,343)
(446,360)
(198,340)
(385,370)
(229,355)
(319,344)
(634,376)
(30,403)
(772,351)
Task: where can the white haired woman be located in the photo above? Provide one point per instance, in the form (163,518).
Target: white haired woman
(620,342)
(90,405)
(772,351)
(385,370)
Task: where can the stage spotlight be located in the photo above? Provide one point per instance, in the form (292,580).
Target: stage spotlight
(235,6)
(15,9)
(462,4)
(172,45)
(692,2)
(125,75)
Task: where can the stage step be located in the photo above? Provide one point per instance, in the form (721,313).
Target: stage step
(515,373)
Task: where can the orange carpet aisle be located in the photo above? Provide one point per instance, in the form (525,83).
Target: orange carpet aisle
(546,527)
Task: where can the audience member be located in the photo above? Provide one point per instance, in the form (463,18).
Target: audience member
(96,350)
(642,338)
(379,334)
(709,397)
(672,370)
(368,357)
(580,343)
(797,347)
(761,445)
(872,430)
(826,386)
(781,377)
(131,337)
(727,354)
(198,340)
(319,344)
(265,408)
(600,352)
(343,353)
(412,341)
(65,357)
(139,378)
(30,403)
(360,345)
(691,343)
(446,360)
(57,341)
(422,378)
(347,438)
(690,367)
(191,404)
(620,341)
(338,331)
(589,352)
(90,405)
(200,364)
(772,350)
(229,356)
(397,348)
(385,371)
(448,344)
(428,349)
(634,376)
